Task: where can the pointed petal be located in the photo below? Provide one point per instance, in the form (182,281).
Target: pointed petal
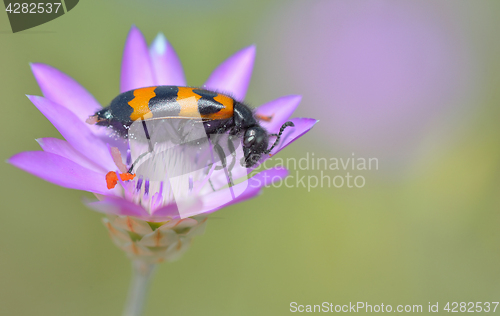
(159,238)
(177,224)
(211,202)
(75,132)
(64,90)
(279,110)
(167,67)
(185,223)
(172,210)
(169,210)
(119,236)
(233,75)
(64,149)
(137,69)
(176,250)
(117,206)
(198,229)
(135,249)
(267,177)
(133,225)
(291,134)
(60,171)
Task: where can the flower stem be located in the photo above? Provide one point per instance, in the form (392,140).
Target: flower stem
(141,277)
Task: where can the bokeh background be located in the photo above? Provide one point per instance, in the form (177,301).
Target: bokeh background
(412,83)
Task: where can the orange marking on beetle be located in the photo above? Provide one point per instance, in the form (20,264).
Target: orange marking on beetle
(265,118)
(140,103)
(112,178)
(188,101)
(225,112)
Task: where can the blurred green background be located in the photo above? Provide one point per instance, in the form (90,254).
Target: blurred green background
(415,85)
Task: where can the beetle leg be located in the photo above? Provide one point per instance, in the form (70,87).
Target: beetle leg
(222,157)
(265,118)
(230,145)
(211,184)
(150,147)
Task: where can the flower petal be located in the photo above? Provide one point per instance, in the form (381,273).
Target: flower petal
(75,132)
(279,110)
(291,134)
(134,225)
(233,75)
(117,206)
(169,210)
(212,202)
(64,90)
(64,149)
(137,69)
(267,177)
(159,238)
(167,67)
(60,171)
(191,206)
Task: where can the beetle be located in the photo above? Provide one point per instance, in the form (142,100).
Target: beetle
(219,113)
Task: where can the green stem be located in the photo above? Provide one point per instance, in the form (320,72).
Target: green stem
(141,277)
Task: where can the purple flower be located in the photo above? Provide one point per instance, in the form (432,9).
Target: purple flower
(89,152)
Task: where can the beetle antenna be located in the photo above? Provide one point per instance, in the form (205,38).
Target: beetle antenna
(279,135)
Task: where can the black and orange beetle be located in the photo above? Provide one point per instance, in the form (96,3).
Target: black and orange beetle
(219,113)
